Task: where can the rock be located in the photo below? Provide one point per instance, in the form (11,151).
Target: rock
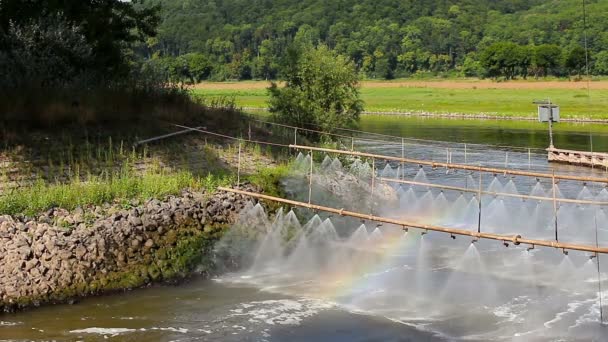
(80,251)
(135,221)
(41,259)
(79,211)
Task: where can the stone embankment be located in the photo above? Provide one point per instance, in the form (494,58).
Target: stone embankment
(60,255)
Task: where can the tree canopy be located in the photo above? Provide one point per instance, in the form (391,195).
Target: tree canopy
(57,39)
(244,39)
(321,88)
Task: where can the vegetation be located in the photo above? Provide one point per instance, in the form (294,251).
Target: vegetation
(321,88)
(73,62)
(240,40)
(449,97)
(96,191)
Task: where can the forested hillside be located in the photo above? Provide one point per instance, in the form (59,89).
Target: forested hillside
(248,39)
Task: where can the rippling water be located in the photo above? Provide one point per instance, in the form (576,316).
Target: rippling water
(238,308)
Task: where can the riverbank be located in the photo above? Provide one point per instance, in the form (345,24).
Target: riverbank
(60,255)
(87,212)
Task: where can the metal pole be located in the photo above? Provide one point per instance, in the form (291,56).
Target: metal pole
(554,206)
(599,278)
(447,160)
(352,143)
(373,184)
(586,51)
(402,157)
(479,200)
(599,287)
(238,172)
(310,179)
(295,136)
(465,153)
(591,147)
(550,124)
(529,159)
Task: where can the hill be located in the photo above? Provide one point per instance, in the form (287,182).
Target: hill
(244,39)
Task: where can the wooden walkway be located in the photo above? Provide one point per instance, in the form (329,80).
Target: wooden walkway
(582,158)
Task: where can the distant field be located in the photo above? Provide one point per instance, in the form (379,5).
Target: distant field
(461,96)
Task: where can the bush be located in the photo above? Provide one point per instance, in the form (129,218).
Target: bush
(321,88)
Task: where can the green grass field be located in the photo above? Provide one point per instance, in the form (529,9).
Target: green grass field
(574,102)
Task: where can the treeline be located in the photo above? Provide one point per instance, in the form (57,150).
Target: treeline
(510,60)
(249,39)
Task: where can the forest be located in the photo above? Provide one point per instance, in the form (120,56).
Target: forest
(248,39)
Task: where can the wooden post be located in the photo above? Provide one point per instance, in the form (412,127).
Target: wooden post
(554,206)
(310,180)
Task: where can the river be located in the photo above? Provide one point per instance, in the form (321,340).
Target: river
(217,309)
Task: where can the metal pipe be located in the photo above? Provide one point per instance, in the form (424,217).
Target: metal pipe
(492,193)
(166,136)
(454,166)
(515,239)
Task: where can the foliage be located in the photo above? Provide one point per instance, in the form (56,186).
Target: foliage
(321,88)
(91,35)
(268,179)
(73,62)
(384,38)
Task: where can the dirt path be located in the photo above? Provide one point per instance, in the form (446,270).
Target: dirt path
(449,84)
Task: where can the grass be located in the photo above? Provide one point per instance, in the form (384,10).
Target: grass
(575,102)
(118,180)
(124,187)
